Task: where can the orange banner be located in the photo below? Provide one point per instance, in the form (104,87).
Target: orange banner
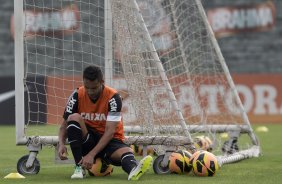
(227,21)
(261,96)
(56,22)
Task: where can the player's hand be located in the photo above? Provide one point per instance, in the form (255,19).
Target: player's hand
(87,161)
(63,152)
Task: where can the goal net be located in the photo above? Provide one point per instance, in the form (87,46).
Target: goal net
(161,56)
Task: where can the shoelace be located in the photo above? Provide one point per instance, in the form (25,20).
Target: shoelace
(77,169)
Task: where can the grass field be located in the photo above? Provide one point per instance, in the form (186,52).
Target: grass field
(265,169)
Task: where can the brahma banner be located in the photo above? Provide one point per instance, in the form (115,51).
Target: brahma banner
(39,22)
(227,21)
(261,95)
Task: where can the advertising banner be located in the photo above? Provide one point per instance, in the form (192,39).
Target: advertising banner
(232,20)
(44,22)
(261,96)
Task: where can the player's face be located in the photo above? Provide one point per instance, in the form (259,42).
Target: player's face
(93,88)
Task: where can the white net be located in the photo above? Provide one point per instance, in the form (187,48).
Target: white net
(166,65)
(61,38)
(196,71)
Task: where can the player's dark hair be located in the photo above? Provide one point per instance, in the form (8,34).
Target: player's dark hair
(93,73)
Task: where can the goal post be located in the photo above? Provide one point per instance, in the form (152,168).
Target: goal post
(162,57)
(193,64)
(19,72)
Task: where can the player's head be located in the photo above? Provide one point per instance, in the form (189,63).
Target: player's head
(93,81)
(93,73)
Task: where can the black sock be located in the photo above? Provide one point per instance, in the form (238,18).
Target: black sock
(75,140)
(128,162)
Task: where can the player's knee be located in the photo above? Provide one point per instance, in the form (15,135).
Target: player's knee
(75,117)
(119,152)
(126,150)
(73,125)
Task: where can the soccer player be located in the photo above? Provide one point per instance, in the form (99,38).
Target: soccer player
(93,127)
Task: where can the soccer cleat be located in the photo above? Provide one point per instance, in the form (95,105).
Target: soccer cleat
(79,173)
(143,166)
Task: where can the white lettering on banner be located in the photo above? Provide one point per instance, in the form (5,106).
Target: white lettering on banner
(240,19)
(212,92)
(261,100)
(187,96)
(161,101)
(247,98)
(227,20)
(49,21)
(163,41)
(265,99)
(93,116)
(46,22)
(69,19)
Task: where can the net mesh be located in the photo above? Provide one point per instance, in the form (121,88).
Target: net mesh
(165,66)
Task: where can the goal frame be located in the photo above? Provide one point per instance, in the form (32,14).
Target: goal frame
(254,151)
(34,143)
(19,73)
(21,138)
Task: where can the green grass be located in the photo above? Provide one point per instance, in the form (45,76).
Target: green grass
(264,169)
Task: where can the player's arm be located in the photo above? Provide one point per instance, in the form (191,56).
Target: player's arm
(113,118)
(71,108)
(62,149)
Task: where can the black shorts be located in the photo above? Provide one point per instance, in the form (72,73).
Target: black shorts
(91,141)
